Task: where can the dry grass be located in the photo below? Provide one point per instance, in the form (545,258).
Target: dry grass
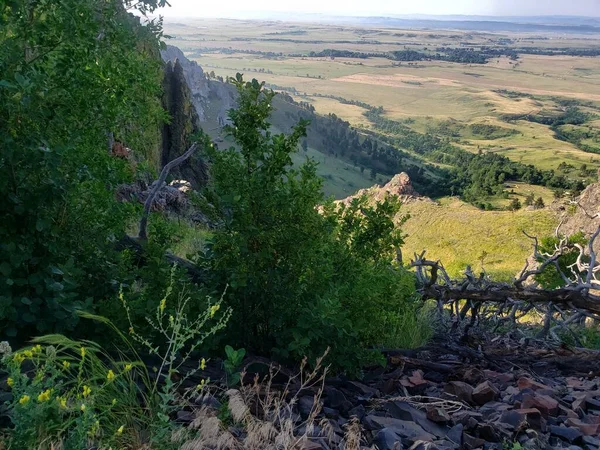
(266,414)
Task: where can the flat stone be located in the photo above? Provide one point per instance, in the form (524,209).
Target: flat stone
(546,405)
(386,439)
(492,410)
(455,434)
(592,441)
(471,442)
(588,429)
(592,403)
(485,392)
(358,411)
(568,434)
(403,428)
(460,390)
(404,411)
(363,389)
(579,403)
(528,383)
(564,411)
(185,416)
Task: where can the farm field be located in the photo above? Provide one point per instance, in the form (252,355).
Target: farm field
(425,92)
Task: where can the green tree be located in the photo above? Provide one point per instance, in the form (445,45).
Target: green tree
(71,74)
(515,204)
(539,203)
(530,199)
(299,275)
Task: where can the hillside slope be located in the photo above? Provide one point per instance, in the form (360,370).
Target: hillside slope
(349,159)
(458,234)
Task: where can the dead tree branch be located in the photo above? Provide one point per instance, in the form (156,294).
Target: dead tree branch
(143,236)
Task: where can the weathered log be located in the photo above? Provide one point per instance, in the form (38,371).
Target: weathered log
(503,293)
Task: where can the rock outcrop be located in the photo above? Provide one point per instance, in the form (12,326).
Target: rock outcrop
(205,93)
(400,185)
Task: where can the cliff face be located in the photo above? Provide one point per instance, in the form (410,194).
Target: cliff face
(184,123)
(209,97)
(577,218)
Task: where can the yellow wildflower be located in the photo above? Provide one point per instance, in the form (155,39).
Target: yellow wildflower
(86,391)
(28,354)
(201,385)
(82,407)
(131,330)
(171,319)
(66,364)
(82,351)
(214,309)
(203,364)
(110,375)
(37,349)
(62,401)
(120,429)
(19,358)
(24,400)
(10,382)
(128,367)
(44,396)
(163,304)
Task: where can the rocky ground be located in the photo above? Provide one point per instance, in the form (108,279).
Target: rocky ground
(447,396)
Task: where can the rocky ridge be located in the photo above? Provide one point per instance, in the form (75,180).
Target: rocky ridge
(400,185)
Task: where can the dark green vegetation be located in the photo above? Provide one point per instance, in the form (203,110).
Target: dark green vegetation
(66,84)
(300,274)
(473,176)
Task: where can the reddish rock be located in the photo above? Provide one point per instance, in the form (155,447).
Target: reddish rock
(579,402)
(528,383)
(588,429)
(460,390)
(503,378)
(484,393)
(567,412)
(545,404)
(438,415)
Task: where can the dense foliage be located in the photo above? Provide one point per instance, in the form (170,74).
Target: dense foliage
(473,176)
(67,72)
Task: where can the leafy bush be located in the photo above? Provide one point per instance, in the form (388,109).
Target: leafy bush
(302,277)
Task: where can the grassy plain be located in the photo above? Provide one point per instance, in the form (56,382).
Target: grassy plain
(429,90)
(458,234)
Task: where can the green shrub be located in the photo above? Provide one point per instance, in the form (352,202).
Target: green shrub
(302,274)
(74,394)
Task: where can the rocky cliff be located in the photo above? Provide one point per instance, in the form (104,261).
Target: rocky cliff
(399,185)
(209,97)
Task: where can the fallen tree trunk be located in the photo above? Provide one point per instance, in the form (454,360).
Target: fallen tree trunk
(499,293)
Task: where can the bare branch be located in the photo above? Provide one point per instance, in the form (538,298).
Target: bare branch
(159,183)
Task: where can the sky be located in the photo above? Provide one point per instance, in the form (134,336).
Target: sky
(238,8)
